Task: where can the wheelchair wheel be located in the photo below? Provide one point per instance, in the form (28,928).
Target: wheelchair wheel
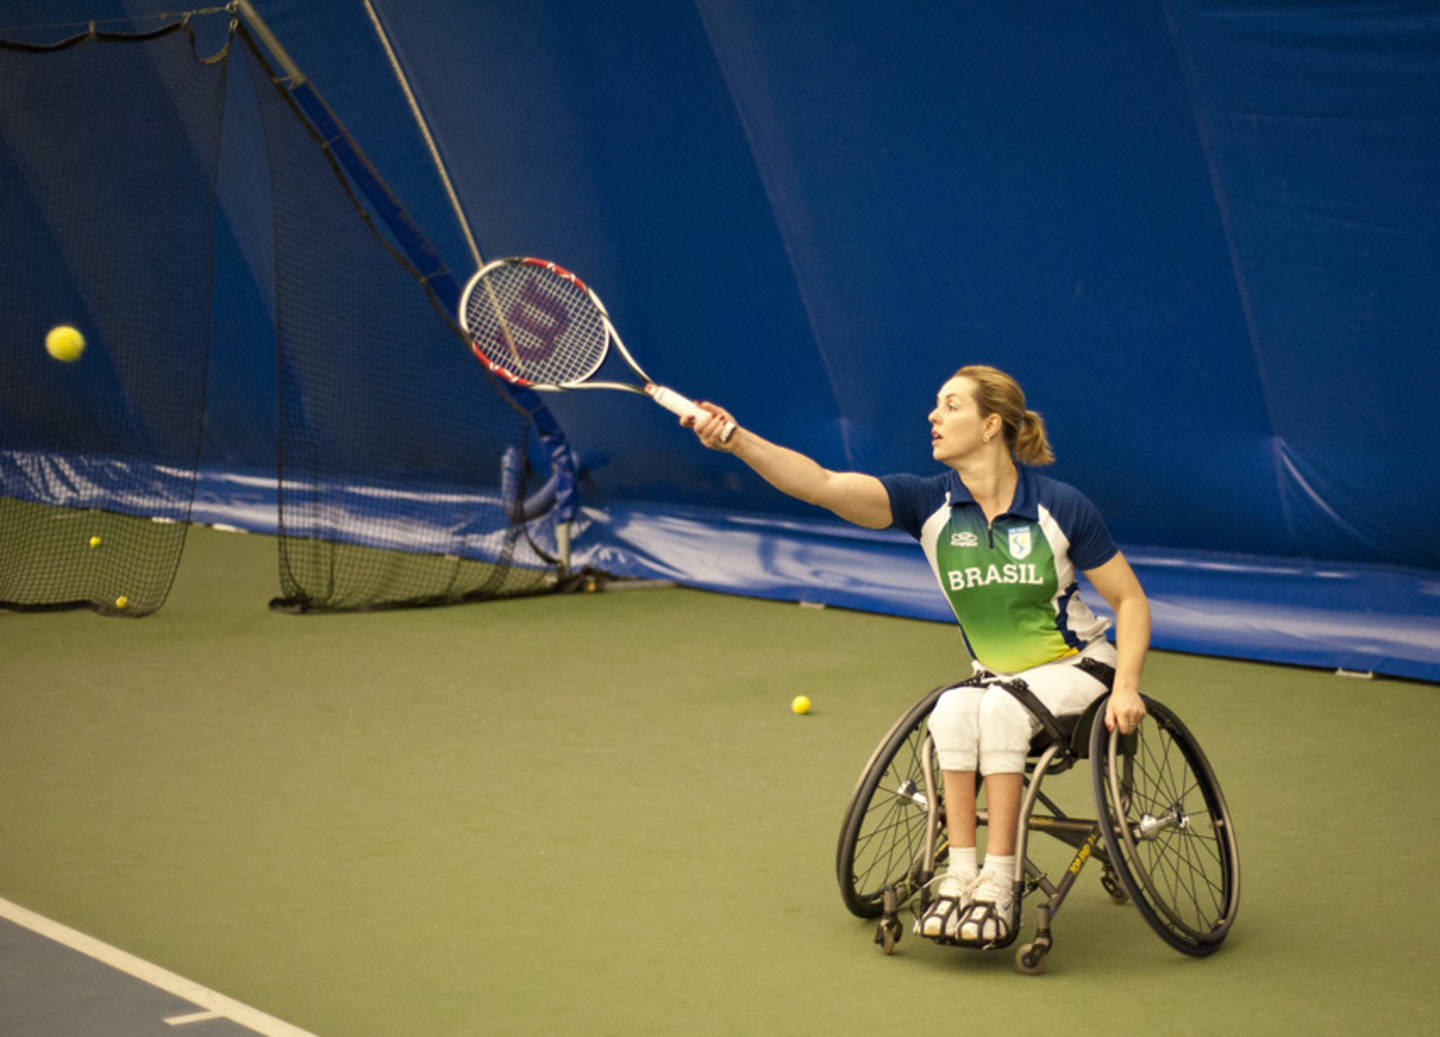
(882,842)
(1167,829)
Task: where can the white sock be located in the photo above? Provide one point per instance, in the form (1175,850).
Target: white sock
(1003,868)
(996,924)
(963,862)
(959,877)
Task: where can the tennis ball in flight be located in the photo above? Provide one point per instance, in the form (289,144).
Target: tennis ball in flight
(64,343)
(122,602)
(800,704)
(94,541)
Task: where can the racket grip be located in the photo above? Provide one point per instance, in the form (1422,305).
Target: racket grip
(677,404)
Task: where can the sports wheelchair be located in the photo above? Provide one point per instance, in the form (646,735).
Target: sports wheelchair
(1162,831)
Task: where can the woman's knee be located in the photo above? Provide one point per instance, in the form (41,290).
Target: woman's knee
(1005,728)
(955,729)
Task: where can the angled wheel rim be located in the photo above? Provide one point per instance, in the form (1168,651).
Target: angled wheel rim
(1173,823)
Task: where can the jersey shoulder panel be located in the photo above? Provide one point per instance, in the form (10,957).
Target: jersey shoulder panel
(1091,544)
(914,498)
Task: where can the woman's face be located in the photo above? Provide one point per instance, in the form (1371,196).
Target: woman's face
(956,427)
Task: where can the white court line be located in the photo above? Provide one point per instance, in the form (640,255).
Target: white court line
(215,1004)
(193,1017)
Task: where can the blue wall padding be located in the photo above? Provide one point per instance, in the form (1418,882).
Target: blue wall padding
(1205,236)
(1359,617)
(1352,616)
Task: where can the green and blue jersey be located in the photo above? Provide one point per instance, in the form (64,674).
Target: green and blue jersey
(1012,584)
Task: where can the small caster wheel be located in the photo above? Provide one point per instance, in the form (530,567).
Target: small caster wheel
(887,934)
(1112,885)
(1030,959)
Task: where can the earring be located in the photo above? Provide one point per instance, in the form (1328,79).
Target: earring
(985,438)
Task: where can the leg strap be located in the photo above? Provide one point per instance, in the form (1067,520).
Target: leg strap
(1102,672)
(1017,687)
(1058,731)
(985,926)
(941,920)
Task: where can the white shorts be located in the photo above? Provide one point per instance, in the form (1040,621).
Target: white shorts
(985,728)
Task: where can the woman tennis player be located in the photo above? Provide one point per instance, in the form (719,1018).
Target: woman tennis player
(1006,543)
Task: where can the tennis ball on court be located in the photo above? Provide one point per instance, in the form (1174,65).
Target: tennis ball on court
(122,602)
(94,541)
(64,343)
(799,704)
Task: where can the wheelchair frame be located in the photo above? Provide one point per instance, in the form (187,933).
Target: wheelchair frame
(1162,829)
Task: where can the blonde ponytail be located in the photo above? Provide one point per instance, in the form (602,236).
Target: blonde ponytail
(997,393)
(1031,445)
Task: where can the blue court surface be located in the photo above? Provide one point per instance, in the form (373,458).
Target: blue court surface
(62,983)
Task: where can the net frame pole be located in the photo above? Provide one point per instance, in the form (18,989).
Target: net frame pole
(424,126)
(262,32)
(421,253)
(565,503)
(566,508)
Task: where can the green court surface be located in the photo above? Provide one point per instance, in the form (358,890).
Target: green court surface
(595,814)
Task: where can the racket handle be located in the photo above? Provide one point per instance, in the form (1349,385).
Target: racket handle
(677,404)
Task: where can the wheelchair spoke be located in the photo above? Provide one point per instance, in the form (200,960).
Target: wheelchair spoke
(884,837)
(1188,881)
(890,839)
(1169,827)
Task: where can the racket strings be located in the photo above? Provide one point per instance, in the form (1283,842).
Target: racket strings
(537,325)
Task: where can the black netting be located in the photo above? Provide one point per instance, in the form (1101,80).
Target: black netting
(397,456)
(401,464)
(108,153)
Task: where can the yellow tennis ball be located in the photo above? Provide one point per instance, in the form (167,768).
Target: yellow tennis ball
(799,704)
(122,602)
(94,541)
(65,343)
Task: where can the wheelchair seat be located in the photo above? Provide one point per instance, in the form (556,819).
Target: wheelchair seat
(1076,728)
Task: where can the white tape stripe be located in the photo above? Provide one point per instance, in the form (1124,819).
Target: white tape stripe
(213,1002)
(193,1017)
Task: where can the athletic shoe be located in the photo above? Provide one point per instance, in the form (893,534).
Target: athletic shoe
(990,917)
(941,921)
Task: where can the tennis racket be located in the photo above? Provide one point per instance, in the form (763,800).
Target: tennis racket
(536,324)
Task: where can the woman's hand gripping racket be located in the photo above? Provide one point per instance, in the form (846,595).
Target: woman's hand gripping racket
(536,324)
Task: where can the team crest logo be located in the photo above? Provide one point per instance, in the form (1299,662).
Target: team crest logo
(1020,543)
